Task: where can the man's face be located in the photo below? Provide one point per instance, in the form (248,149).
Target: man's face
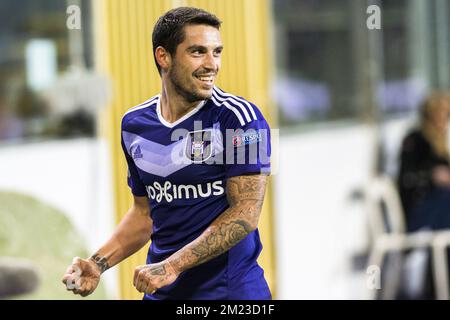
(440,114)
(196,62)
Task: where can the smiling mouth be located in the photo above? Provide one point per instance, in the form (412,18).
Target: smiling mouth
(206,79)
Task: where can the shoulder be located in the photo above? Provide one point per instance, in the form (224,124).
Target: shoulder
(234,109)
(136,111)
(413,140)
(415,135)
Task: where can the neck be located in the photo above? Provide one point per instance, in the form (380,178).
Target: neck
(173,105)
(435,128)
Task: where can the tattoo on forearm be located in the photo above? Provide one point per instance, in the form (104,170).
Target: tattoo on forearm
(158,270)
(245,196)
(226,236)
(101,262)
(246,188)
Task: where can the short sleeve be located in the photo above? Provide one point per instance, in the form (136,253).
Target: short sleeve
(247,145)
(133,179)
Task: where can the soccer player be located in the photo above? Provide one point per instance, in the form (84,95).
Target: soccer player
(198,161)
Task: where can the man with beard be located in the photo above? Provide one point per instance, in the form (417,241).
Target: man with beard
(198,161)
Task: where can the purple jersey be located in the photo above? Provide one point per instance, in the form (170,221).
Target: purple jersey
(182,167)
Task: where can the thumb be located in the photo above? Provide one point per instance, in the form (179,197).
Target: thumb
(78,265)
(136,274)
(76,261)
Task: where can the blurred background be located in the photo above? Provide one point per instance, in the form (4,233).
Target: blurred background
(340,94)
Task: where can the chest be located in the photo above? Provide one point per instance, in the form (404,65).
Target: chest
(189,154)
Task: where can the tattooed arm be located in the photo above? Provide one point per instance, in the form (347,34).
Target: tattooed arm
(245,196)
(132,233)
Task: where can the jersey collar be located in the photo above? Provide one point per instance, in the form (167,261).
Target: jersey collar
(186,116)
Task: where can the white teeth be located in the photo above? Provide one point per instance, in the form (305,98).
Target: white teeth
(210,78)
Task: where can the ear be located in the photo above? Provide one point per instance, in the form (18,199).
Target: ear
(163,58)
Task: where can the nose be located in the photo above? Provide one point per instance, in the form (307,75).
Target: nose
(211,62)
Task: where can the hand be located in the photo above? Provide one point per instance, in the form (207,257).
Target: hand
(148,278)
(82,277)
(441,176)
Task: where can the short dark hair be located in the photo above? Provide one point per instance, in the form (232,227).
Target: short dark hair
(169,33)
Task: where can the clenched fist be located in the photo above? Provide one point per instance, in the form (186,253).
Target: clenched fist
(148,278)
(82,277)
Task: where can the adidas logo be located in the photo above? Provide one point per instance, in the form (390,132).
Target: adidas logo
(137,154)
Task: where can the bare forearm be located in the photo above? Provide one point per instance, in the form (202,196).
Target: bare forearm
(132,234)
(229,228)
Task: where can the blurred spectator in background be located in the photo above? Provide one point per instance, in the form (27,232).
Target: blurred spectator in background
(78,123)
(424,178)
(10,126)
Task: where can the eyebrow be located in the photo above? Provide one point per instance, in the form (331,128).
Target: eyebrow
(195,46)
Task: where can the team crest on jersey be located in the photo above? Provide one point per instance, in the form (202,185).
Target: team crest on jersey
(198,146)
